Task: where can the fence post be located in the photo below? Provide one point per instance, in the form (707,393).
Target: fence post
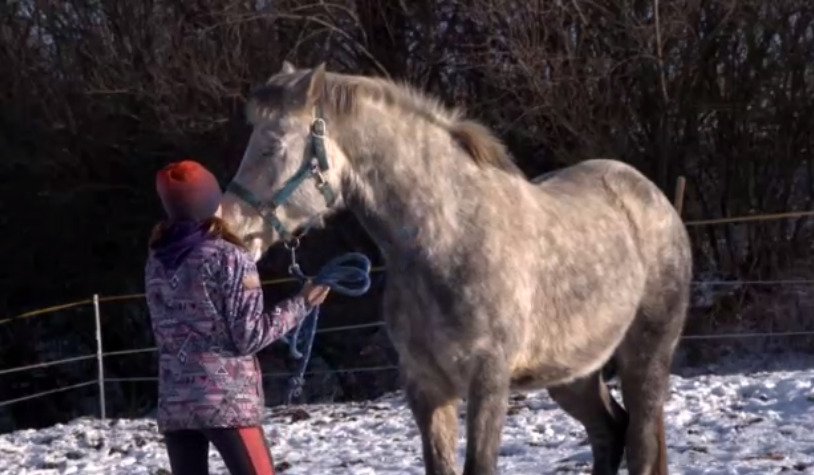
(678,201)
(99,357)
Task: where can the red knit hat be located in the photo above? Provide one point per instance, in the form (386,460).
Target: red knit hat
(188,190)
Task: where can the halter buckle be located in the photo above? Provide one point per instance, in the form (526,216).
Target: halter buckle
(318,127)
(292,244)
(316,172)
(294,269)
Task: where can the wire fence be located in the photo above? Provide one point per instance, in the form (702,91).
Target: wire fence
(100,355)
(29,397)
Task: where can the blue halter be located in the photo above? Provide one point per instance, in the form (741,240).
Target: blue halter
(312,168)
(348,274)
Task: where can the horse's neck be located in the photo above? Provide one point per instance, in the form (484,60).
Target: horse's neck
(406,184)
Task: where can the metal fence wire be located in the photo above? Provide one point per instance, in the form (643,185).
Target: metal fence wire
(95,301)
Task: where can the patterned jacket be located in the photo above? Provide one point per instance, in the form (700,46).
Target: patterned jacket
(208,321)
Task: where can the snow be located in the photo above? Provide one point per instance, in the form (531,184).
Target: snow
(755,421)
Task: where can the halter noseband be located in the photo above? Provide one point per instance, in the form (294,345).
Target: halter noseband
(314,167)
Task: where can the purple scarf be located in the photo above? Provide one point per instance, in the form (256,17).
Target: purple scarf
(180,238)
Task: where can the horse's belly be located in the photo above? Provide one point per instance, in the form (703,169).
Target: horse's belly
(541,376)
(549,357)
(544,374)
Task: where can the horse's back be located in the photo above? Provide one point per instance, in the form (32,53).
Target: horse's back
(612,175)
(663,245)
(649,213)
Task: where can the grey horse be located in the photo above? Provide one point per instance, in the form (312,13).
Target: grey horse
(495,283)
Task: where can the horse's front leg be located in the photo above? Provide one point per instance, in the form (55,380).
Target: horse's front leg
(485,415)
(436,415)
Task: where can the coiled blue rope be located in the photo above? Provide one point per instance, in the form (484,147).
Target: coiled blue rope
(348,274)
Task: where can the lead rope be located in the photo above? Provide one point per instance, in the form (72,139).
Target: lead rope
(348,274)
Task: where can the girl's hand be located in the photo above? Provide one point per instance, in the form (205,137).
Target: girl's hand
(314,294)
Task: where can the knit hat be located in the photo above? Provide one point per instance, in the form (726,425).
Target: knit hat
(188,191)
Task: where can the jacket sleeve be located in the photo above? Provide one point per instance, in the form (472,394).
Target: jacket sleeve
(251,328)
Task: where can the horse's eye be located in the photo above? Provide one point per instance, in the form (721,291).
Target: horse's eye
(272,147)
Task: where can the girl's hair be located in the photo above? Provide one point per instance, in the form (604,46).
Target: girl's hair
(217,229)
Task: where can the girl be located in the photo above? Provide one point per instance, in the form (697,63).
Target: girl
(206,309)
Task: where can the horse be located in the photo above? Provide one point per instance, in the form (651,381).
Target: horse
(495,283)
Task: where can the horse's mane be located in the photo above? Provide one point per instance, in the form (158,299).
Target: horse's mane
(343,94)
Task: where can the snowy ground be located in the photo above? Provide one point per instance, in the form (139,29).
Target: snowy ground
(754,422)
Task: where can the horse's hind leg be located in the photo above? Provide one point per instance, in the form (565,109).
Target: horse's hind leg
(437,418)
(589,402)
(644,390)
(644,358)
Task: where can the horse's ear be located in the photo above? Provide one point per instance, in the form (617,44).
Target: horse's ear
(287,68)
(308,88)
